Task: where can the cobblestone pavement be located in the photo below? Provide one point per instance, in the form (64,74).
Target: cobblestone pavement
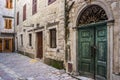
(15,66)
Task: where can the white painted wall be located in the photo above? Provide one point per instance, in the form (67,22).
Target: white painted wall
(6,12)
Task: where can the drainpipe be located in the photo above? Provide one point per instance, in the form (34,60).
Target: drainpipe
(65,30)
(15,44)
(67,11)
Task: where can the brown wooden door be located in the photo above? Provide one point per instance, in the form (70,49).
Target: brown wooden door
(7,45)
(40,45)
(0,45)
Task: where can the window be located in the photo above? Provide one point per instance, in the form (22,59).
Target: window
(51,1)
(21,39)
(24,12)
(8,24)
(17,18)
(9,4)
(34,6)
(30,39)
(52,38)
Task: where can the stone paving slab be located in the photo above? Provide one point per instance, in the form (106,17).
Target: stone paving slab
(8,74)
(27,68)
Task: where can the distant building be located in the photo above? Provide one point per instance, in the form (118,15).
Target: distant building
(6,25)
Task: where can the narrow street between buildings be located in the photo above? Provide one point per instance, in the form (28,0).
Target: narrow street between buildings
(15,66)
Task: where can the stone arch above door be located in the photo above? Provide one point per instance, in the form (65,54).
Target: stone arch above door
(89,42)
(92,14)
(101,3)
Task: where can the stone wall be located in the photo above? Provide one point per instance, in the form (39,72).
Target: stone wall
(46,15)
(6,12)
(112,10)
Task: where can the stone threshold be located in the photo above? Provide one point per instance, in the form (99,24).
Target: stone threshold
(80,77)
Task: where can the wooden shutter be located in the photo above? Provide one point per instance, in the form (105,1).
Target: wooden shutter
(17,18)
(10,24)
(53,38)
(10,3)
(24,12)
(5,23)
(6,3)
(30,39)
(34,6)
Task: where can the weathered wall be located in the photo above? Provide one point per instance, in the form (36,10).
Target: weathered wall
(45,14)
(6,12)
(112,9)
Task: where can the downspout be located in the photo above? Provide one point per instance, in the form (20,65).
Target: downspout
(15,49)
(65,30)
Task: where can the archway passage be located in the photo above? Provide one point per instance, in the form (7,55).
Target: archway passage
(92,43)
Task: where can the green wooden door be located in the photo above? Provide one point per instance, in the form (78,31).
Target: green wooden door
(86,63)
(92,48)
(101,53)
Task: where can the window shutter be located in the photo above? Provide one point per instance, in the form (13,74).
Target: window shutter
(24,12)
(6,3)
(10,24)
(17,18)
(53,38)
(34,6)
(10,3)
(5,23)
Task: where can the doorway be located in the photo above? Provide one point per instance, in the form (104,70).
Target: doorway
(40,45)
(0,45)
(92,50)
(8,45)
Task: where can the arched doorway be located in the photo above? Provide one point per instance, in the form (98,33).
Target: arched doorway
(92,42)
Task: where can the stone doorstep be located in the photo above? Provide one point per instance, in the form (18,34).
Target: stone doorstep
(83,78)
(80,77)
(11,73)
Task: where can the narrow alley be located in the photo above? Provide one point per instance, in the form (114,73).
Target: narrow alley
(15,66)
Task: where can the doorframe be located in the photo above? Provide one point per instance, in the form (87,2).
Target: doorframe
(37,43)
(110,25)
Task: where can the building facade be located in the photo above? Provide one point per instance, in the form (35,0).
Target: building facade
(40,29)
(6,25)
(80,35)
(94,39)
